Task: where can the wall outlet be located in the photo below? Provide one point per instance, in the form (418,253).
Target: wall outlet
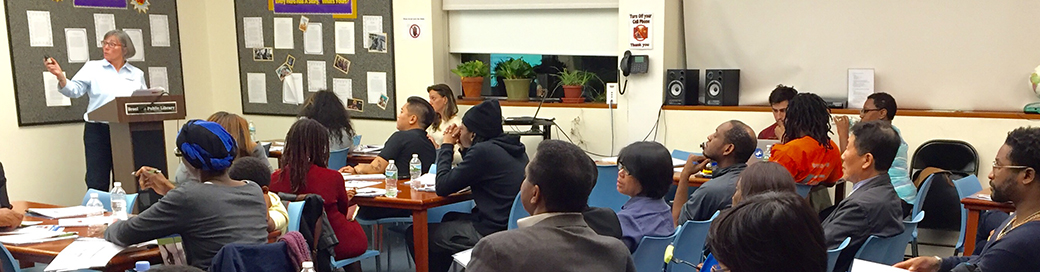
(612,93)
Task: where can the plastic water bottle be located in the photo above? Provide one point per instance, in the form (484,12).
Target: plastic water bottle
(307,267)
(141,266)
(252,131)
(118,201)
(391,180)
(414,167)
(97,210)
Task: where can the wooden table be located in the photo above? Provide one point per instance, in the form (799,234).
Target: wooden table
(975,206)
(45,252)
(694,181)
(418,202)
(352,159)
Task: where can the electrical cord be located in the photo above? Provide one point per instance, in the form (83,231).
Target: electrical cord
(572,141)
(656,123)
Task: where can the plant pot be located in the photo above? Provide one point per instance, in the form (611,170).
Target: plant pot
(518,89)
(472,86)
(572,91)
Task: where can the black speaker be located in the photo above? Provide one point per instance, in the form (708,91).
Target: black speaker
(681,86)
(722,87)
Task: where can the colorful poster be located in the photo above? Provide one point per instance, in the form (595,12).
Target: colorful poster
(334,7)
(101,3)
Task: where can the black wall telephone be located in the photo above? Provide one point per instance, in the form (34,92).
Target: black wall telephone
(634,64)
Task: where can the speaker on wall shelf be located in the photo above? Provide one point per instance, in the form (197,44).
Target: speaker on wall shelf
(722,87)
(681,86)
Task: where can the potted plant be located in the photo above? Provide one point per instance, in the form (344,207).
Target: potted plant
(573,83)
(472,74)
(517,75)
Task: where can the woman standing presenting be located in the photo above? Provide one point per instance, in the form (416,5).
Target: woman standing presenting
(102,81)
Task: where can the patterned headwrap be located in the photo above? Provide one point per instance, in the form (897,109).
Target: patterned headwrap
(206,145)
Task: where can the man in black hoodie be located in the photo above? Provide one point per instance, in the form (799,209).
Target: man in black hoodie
(492,167)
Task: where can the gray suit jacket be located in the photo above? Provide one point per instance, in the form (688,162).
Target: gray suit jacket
(873,209)
(558,243)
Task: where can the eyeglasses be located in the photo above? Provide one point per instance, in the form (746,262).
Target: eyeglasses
(622,170)
(110,44)
(865,111)
(995,166)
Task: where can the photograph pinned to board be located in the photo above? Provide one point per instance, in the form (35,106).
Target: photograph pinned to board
(290,61)
(263,54)
(382,101)
(342,64)
(303,23)
(356,105)
(377,42)
(283,71)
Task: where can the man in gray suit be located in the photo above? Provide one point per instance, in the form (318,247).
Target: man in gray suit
(873,207)
(555,237)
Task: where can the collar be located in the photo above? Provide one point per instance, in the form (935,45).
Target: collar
(641,199)
(109,64)
(861,183)
(538,218)
(735,168)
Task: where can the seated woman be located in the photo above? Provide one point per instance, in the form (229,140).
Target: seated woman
(770,232)
(306,155)
(644,173)
(443,101)
(238,127)
(208,214)
(326,108)
(763,177)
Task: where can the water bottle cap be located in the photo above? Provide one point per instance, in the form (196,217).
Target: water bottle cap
(94,195)
(415,155)
(142,265)
(117,184)
(308,264)
(391,162)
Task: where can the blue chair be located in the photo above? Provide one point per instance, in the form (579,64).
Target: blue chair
(679,154)
(918,204)
(7,262)
(710,261)
(516,212)
(649,256)
(889,250)
(689,243)
(338,158)
(966,187)
(605,193)
(356,140)
(436,215)
(832,254)
(295,210)
(106,200)
(803,189)
(366,255)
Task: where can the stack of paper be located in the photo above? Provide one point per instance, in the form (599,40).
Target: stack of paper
(462,258)
(84,253)
(866,266)
(36,237)
(349,177)
(84,221)
(370,192)
(64,212)
(360,184)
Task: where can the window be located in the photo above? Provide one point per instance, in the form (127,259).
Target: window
(545,66)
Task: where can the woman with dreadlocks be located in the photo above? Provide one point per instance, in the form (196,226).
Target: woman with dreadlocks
(806,149)
(304,172)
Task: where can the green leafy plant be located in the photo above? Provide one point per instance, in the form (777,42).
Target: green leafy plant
(514,69)
(473,68)
(576,77)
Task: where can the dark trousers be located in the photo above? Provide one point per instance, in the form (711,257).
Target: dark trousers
(97,145)
(455,233)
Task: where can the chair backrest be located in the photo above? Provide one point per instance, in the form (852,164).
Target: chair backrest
(802,189)
(649,256)
(106,200)
(679,154)
(516,212)
(605,193)
(922,193)
(689,243)
(966,187)
(295,210)
(889,250)
(832,254)
(338,158)
(356,140)
(956,156)
(436,214)
(7,261)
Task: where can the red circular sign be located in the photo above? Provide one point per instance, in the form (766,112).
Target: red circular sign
(414,31)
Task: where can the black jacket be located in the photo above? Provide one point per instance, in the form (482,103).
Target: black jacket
(872,209)
(494,170)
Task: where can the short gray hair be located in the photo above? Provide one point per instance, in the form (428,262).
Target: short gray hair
(128,45)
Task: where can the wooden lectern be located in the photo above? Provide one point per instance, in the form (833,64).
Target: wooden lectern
(138,139)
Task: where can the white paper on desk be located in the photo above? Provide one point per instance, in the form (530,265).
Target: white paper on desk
(84,253)
(50,91)
(316,76)
(376,86)
(40,28)
(137,37)
(312,40)
(678,162)
(157,77)
(257,84)
(253,32)
(278,148)
(283,33)
(103,23)
(861,85)
(462,258)
(76,45)
(867,266)
(372,24)
(360,184)
(344,37)
(370,192)
(292,89)
(160,25)
(343,88)
(85,221)
(349,177)
(428,179)
(31,238)
(64,212)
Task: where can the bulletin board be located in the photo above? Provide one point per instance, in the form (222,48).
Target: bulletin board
(290,49)
(60,29)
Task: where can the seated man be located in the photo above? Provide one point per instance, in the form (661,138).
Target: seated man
(873,208)
(1013,245)
(778,102)
(882,107)
(730,146)
(8,217)
(416,115)
(259,171)
(806,149)
(555,237)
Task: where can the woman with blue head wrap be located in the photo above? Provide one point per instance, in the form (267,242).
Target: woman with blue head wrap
(207,214)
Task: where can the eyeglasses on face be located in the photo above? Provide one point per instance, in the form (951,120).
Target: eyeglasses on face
(998,166)
(865,111)
(111,44)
